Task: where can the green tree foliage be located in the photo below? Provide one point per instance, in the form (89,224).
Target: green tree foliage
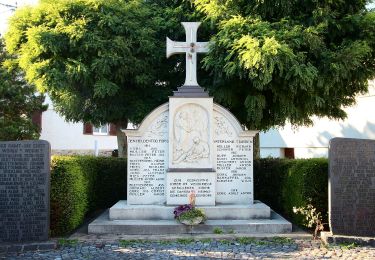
(18,102)
(95,59)
(274,61)
(100,61)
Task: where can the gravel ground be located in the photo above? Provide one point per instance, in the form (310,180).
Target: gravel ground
(240,248)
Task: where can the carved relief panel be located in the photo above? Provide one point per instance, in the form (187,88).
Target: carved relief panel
(190,134)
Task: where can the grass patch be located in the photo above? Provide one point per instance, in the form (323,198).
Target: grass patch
(262,242)
(206,240)
(273,240)
(165,242)
(185,241)
(231,231)
(125,243)
(281,240)
(67,242)
(246,240)
(347,246)
(225,242)
(218,230)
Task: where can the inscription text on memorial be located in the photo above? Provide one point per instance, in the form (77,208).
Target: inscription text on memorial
(24,191)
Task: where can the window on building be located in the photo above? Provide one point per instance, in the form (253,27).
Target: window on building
(101,130)
(106,129)
(289,153)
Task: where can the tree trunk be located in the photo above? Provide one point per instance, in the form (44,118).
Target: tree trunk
(256,147)
(121,138)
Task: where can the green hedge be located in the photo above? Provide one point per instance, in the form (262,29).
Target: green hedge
(82,184)
(283,184)
(269,174)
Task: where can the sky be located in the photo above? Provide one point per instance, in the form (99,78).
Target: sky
(6,12)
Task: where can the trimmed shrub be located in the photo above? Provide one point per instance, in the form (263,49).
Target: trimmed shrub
(307,179)
(283,184)
(81,185)
(269,174)
(69,196)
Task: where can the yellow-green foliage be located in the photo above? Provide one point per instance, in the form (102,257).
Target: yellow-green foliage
(82,184)
(282,61)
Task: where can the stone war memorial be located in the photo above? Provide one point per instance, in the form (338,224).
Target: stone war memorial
(351,191)
(24,191)
(189,144)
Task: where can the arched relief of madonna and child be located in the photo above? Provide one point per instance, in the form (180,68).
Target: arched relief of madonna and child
(191,136)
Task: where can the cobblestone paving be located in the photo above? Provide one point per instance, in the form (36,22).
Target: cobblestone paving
(241,248)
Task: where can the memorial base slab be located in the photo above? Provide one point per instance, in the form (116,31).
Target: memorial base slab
(154,219)
(122,211)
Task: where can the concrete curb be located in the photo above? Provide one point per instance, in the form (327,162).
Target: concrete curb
(24,247)
(115,238)
(329,238)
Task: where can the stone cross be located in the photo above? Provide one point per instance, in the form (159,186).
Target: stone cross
(191,47)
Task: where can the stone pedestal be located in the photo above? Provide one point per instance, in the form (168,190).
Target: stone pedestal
(191,151)
(123,211)
(127,219)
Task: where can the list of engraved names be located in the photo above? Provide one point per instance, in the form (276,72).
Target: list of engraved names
(24,190)
(147,167)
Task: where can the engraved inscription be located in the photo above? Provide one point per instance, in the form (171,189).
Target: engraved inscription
(147,163)
(234,168)
(352,187)
(179,185)
(24,191)
(233,164)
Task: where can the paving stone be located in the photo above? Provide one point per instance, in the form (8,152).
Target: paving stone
(47,246)
(198,250)
(30,247)
(15,248)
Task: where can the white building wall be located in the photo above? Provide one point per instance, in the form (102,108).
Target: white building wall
(308,142)
(66,137)
(275,152)
(313,141)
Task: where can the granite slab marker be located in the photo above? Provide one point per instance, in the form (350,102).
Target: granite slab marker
(352,187)
(24,190)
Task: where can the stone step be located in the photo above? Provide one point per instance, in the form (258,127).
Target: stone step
(103,225)
(122,211)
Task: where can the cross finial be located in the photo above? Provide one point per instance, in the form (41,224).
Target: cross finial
(191,47)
